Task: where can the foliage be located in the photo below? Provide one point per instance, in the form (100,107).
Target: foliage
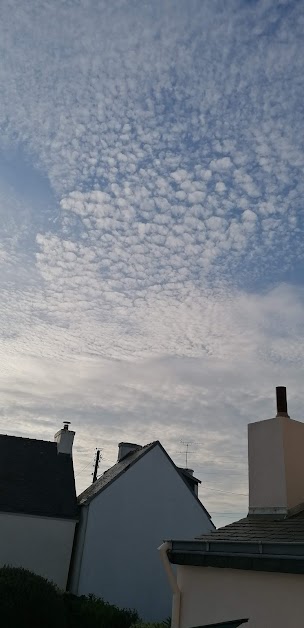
(29,600)
(163,624)
(92,612)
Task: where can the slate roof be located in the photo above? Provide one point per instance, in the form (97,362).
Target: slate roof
(257,542)
(259,528)
(112,474)
(121,467)
(35,479)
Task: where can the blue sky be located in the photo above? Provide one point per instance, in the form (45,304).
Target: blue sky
(151,203)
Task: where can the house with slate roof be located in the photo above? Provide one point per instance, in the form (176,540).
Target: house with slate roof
(252,568)
(124,517)
(38,504)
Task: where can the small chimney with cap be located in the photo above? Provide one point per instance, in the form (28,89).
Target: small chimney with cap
(124,449)
(276,462)
(64,439)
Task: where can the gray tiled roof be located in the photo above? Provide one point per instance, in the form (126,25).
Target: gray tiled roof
(111,474)
(35,479)
(260,528)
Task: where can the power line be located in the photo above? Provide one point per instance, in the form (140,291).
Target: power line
(216,490)
(87,465)
(214,512)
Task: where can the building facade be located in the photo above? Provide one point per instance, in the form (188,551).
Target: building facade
(125,516)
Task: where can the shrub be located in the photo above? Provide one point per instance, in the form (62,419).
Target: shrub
(92,612)
(163,624)
(29,600)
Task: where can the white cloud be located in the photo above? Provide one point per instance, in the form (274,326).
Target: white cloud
(176,163)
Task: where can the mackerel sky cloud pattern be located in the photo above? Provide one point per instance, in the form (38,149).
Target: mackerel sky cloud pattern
(151,196)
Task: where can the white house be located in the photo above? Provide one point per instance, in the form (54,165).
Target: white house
(252,569)
(38,504)
(124,516)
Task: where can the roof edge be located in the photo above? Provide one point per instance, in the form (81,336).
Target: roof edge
(103,488)
(181,475)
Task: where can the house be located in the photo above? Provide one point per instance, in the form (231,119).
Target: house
(252,568)
(38,504)
(124,515)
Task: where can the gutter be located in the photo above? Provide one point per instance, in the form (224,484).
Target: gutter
(291,549)
(255,555)
(176,602)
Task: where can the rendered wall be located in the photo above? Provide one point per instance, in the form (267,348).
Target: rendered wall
(42,545)
(269,600)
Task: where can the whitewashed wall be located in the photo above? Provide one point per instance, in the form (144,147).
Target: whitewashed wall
(40,544)
(126,523)
(269,600)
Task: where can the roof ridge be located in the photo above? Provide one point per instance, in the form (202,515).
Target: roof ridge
(121,466)
(27,438)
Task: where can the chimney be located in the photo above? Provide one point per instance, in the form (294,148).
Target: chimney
(191,481)
(64,439)
(276,462)
(281,401)
(126,448)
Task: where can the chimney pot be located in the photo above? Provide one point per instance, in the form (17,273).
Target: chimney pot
(281,401)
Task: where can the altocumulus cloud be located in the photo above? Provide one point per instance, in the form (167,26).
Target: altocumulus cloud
(160,295)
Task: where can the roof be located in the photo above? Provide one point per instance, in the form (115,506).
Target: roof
(262,543)
(225,624)
(189,475)
(112,474)
(261,528)
(121,467)
(35,479)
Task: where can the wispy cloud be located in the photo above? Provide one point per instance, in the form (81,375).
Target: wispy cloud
(153,287)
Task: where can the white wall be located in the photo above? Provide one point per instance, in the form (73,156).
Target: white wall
(126,523)
(40,544)
(269,600)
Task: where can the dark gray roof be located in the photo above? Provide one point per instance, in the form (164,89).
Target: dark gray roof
(121,467)
(112,474)
(261,528)
(225,624)
(35,479)
(256,542)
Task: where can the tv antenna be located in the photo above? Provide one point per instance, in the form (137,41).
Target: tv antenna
(186,452)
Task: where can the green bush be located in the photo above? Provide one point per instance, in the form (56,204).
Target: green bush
(92,612)
(163,624)
(29,600)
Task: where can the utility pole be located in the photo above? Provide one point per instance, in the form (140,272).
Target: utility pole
(96,465)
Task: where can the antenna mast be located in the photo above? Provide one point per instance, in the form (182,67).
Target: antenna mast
(187,452)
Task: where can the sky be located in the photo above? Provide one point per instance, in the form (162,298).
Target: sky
(151,242)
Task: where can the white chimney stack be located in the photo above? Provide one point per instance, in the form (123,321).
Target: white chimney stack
(64,439)
(126,448)
(276,462)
